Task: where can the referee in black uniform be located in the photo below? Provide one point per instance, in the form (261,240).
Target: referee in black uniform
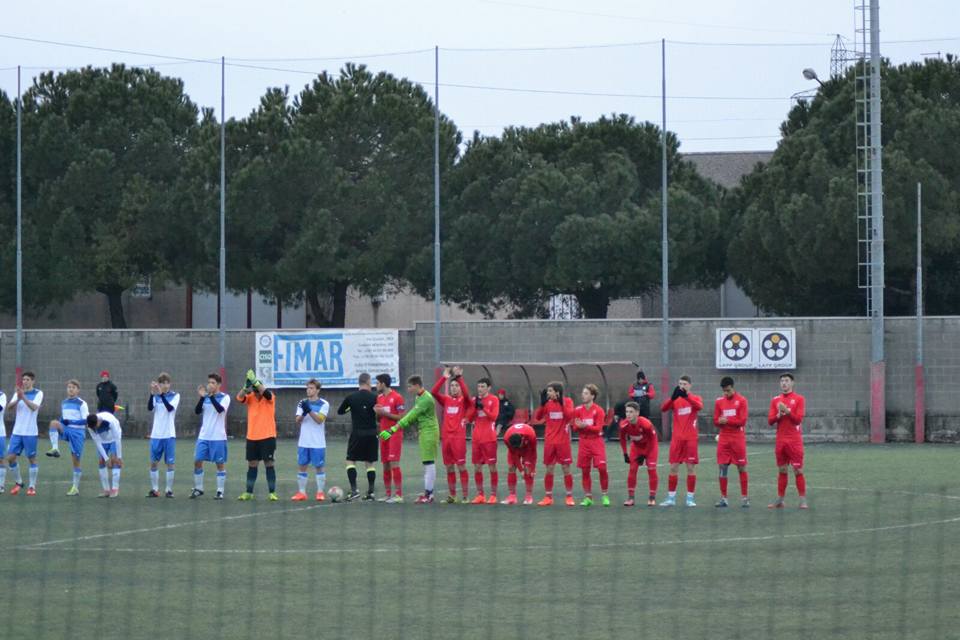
(363,445)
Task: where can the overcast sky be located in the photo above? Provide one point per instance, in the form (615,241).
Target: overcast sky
(722,95)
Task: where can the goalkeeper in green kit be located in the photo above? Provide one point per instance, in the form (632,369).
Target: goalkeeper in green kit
(424,415)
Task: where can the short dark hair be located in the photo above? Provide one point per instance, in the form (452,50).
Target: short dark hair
(215,376)
(314,382)
(726,381)
(515,440)
(632,405)
(416,381)
(384,378)
(29,374)
(364,379)
(787,375)
(163,377)
(686,378)
(486,381)
(556,386)
(92,420)
(593,389)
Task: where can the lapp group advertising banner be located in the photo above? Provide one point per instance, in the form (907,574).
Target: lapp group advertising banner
(335,357)
(756,348)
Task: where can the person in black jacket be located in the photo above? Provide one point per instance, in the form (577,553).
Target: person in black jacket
(507,411)
(106,393)
(363,445)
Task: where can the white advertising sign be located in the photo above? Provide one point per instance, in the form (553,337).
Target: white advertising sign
(335,357)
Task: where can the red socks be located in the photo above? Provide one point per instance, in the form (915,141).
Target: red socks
(397,481)
(604,479)
(782,484)
(568,483)
(587,482)
(632,478)
(802,485)
(691,483)
(672,481)
(512,482)
(494,479)
(548,484)
(654,480)
(387,482)
(723,487)
(478,480)
(528,483)
(452,482)
(465,482)
(744,481)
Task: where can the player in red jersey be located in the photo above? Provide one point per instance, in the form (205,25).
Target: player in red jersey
(390,409)
(787,411)
(556,412)
(453,436)
(683,445)
(644,450)
(588,422)
(483,412)
(521,442)
(730,417)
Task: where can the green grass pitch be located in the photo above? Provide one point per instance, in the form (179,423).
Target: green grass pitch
(875,557)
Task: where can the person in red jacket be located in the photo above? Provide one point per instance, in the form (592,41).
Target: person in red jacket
(453,434)
(588,423)
(521,442)
(683,445)
(786,412)
(730,417)
(644,449)
(556,412)
(482,411)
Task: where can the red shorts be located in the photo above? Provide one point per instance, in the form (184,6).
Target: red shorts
(522,459)
(684,451)
(454,450)
(391,449)
(732,449)
(650,455)
(557,453)
(483,452)
(592,452)
(789,452)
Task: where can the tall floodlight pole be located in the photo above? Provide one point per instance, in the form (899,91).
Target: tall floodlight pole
(877,363)
(436,209)
(19,364)
(223,216)
(664,242)
(919,429)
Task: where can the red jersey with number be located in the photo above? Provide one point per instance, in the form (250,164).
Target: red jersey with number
(592,419)
(556,417)
(454,408)
(393,401)
(685,412)
(734,410)
(641,435)
(485,418)
(789,425)
(528,449)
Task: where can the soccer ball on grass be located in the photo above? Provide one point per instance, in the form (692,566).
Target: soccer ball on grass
(335,494)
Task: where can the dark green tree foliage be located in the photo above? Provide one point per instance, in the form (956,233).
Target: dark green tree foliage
(574,208)
(8,175)
(794,249)
(102,152)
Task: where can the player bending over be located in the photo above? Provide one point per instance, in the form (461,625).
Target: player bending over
(106,434)
(163,435)
(312,447)
(684,445)
(72,426)
(644,449)
(588,422)
(786,412)
(521,442)
(212,439)
(453,438)
(424,415)
(556,413)
(23,440)
(730,417)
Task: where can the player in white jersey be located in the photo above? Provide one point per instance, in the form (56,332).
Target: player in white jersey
(23,440)
(312,447)
(72,426)
(104,429)
(163,436)
(3,442)
(212,440)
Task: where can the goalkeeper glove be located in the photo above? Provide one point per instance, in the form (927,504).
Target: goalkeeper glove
(676,393)
(683,393)
(386,434)
(479,404)
(305,406)
(626,458)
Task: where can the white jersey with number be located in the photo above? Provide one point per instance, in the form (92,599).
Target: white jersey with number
(313,434)
(163,418)
(214,425)
(26,420)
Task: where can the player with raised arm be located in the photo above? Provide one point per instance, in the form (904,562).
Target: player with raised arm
(390,408)
(556,413)
(787,411)
(521,442)
(212,439)
(363,444)
(72,426)
(684,445)
(592,452)
(424,415)
(23,440)
(312,446)
(163,435)
(453,437)
(104,429)
(644,450)
(730,417)
(483,412)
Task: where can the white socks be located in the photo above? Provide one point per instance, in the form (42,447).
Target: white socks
(429,477)
(302,481)
(155,479)
(221,480)
(321,481)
